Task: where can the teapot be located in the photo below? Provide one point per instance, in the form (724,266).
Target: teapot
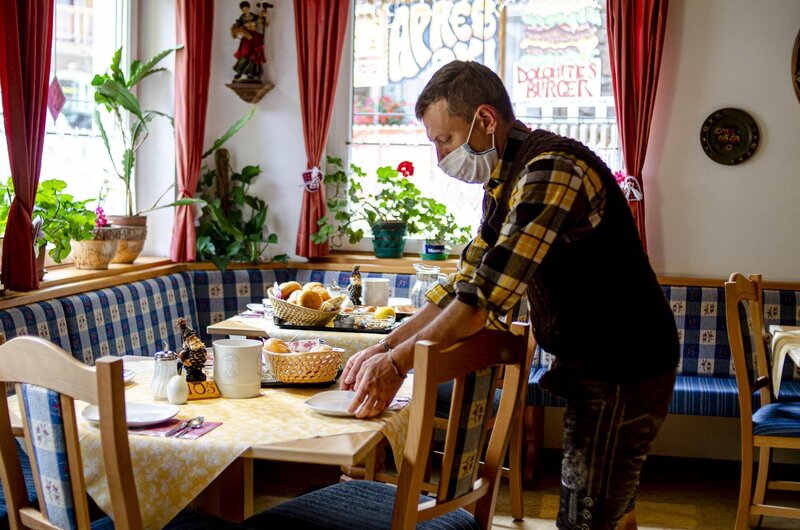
(427,277)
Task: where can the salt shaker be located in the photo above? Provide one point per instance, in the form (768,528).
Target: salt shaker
(165,368)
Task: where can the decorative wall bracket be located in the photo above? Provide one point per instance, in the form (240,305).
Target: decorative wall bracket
(251,92)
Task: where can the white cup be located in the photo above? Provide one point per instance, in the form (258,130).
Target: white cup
(237,367)
(376,291)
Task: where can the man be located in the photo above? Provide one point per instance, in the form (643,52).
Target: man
(555,226)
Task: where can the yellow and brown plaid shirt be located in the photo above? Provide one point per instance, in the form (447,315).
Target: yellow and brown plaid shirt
(556,196)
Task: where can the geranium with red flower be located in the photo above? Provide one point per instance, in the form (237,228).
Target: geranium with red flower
(406,168)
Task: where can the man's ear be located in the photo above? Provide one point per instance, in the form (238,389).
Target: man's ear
(488,117)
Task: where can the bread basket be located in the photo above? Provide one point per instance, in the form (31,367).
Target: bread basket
(305,367)
(299,315)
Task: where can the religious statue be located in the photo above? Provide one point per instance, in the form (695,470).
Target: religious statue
(249,28)
(354,289)
(193,355)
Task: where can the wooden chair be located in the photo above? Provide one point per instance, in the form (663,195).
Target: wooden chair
(771,424)
(48,380)
(360,504)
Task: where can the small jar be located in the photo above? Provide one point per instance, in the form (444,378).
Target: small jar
(166,366)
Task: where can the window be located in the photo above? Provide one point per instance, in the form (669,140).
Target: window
(552,56)
(84,42)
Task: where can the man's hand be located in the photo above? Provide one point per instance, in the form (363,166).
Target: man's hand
(376,385)
(354,363)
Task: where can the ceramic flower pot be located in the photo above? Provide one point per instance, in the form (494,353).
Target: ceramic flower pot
(434,250)
(388,239)
(131,238)
(97,253)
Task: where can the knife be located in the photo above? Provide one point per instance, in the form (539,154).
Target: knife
(179,428)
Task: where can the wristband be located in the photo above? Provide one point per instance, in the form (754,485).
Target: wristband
(385,345)
(394,365)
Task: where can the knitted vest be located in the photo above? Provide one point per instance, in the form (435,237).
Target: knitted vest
(595,302)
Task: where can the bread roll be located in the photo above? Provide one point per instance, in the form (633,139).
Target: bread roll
(324,348)
(323,292)
(310,299)
(294,298)
(276,346)
(311,285)
(288,288)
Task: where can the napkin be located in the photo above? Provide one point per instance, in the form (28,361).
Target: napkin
(782,343)
(162,429)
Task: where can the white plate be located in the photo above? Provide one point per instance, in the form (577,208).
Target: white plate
(332,402)
(128,375)
(335,403)
(256,307)
(137,414)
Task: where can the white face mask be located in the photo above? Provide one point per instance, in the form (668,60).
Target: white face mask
(468,166)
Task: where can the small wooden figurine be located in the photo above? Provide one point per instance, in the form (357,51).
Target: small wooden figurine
(354,289)
(193,355)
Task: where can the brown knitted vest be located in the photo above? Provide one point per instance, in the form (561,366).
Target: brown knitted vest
(595,302)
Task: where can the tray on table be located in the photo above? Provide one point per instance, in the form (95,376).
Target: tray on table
(288,325)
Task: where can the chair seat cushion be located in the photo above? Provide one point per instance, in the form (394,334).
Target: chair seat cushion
(27,472)
(353,505)
(186,519)
(777,419)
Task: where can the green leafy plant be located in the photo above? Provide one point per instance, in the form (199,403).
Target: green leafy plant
(63,218)
(395,198)
(233,225)
(113,93)
(6,196)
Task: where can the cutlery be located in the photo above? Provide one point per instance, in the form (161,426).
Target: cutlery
(179,428)
(194,423)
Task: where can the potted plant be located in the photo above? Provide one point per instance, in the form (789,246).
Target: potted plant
(96,251)
(392,208)
(233,227)
(440,230)
(113,93)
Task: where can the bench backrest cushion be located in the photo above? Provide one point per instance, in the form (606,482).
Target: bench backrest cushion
(399,284)
(42,319)
(130,319)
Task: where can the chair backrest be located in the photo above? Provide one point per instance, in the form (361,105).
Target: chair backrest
(745,318)
(48,380)
(472,364)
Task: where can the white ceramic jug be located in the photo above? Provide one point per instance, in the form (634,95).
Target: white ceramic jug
(237,367)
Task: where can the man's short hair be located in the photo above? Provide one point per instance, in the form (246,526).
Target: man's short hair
(244,4)
(465,85)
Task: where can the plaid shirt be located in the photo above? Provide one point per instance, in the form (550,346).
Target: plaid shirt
(557,196)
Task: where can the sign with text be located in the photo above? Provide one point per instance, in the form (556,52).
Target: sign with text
(556,80)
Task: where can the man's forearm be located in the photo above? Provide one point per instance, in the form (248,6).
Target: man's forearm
(457,321)
(413,325)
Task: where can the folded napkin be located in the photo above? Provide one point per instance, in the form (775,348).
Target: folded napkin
(782,343)
(162,429)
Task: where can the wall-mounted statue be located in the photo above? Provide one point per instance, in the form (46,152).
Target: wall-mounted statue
(249,28)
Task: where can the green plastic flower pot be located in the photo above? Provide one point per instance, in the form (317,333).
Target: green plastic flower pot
(388,239)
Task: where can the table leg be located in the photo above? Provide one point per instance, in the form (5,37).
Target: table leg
(230,495)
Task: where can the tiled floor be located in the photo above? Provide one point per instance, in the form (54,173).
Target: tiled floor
(674,494)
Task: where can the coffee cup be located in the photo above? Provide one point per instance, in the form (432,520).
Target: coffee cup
(376,291)
(237,367)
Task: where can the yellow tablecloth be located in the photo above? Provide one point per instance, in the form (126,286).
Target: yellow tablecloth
(170,472)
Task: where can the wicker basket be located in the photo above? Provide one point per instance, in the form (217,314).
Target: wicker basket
(299,315)
(307,367)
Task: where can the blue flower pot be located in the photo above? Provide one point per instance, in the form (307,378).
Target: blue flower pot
(389,239)
(433,251)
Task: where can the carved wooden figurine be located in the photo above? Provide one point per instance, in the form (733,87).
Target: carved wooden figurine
(193,355)
(354,289)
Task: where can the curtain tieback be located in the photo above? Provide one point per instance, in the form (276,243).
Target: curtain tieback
(183,193)
(312,179)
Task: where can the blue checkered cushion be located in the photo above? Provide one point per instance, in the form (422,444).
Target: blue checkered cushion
(220,295)
(353,505)
(43,412)
(130,319)
(27,474)
(41,319)
(185,520)
(777,419)
(399,284)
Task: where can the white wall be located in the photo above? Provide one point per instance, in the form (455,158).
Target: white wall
(273,139)
(704,219)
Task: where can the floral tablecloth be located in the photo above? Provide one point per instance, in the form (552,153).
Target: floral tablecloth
(170,472)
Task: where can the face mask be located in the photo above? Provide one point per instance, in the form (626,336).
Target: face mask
(468,166)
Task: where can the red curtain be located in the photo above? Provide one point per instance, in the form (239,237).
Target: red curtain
(635,40)
(26,33)
(195,27)
(320,28)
